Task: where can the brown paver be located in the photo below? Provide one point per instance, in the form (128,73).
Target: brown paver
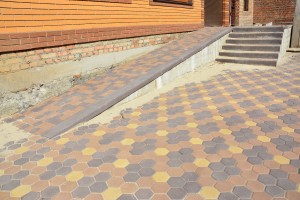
(240,128)
(85,101)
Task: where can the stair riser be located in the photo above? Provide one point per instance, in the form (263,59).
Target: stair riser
(249,55)
(274,42)
(253,48)
(261,29)
(249,62)
(256,35)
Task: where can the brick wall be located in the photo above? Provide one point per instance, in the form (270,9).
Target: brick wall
(276,11)
(225,20)
(12,62)
(243,18)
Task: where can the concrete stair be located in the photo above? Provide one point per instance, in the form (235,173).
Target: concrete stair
(253,46)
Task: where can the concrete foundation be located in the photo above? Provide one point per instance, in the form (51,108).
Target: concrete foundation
(25,88)
(285,43)
(296,27)
(202,58)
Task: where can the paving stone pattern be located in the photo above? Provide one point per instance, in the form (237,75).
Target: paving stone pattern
(235,136)
(79,104)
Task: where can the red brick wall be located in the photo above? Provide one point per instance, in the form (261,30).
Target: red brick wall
(276,11)
(16,61)
(10,42)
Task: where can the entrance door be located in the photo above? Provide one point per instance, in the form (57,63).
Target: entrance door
(213,13)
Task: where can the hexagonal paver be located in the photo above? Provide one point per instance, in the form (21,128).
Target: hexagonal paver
(54,166)
(50,192)
(161,177)
(286,184)
(147,163)
(80,192)
(74,176)
(190,176)
(20,191)
(131,177)
(111,193)
(274,191)
(161,151)
(102,176)
(98,187)
(144,194)
(242,192)
(201,162)
(32,196)
(174,163)
(209,192)
(281,159)
(267,179)
(11,185)
(217,167)
(95,163)
(63,171)
(127,197)
(146,172)
(232,170)
(47,175)
(86,181)
(228,161)
(176,182)
(176,193)
(220,176)
(21,174)
(227,196)
(279,174)
(121,163)
(192,187)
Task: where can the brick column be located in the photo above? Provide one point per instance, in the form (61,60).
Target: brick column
(225,13)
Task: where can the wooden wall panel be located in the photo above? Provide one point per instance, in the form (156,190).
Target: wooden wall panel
(48,15)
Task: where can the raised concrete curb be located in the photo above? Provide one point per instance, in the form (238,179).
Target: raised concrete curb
(156,71)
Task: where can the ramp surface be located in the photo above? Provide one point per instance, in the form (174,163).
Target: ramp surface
(84,102)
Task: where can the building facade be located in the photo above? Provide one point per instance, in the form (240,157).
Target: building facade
(34,33)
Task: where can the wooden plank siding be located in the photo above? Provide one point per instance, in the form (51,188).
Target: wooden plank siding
(57,15)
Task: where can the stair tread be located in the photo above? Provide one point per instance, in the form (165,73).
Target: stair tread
(241,58)
(269,39)
(241,33)
(237,51)
(253,45)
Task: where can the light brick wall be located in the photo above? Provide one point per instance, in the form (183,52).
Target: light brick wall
(243,18)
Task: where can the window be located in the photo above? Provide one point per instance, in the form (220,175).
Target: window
(173,3)
(180,2)
(246,5)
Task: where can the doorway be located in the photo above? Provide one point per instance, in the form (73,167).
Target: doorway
(213,13)
(232,12)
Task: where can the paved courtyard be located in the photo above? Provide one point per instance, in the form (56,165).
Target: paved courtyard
(235,136)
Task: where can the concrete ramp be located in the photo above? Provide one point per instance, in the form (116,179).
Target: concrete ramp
(84,102)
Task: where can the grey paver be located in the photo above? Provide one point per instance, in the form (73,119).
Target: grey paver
(176,193)
(50,192)
(98,187)
(242,192)
(275,191)
(144,194)
(80,192)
